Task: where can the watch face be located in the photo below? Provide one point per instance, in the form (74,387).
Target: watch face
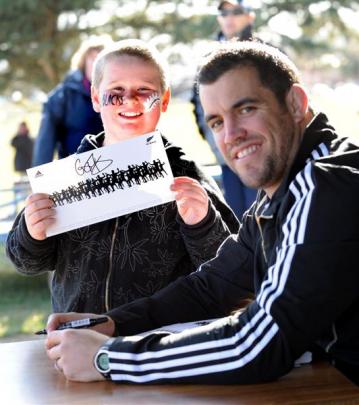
(103,362)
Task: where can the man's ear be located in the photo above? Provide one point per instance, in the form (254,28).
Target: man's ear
(95,98)
(297,102)
(165,100)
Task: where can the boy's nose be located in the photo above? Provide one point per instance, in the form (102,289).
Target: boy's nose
(130,96)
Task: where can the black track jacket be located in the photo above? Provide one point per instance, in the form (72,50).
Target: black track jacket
(297,253)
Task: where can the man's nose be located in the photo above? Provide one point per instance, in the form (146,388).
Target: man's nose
(233,132)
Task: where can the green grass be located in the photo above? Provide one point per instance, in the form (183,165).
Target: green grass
(24,301)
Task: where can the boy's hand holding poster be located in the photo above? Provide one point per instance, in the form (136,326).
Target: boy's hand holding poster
(106,182)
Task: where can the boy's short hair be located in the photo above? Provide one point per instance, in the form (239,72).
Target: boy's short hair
(275,70)
(93,43)
(130,47)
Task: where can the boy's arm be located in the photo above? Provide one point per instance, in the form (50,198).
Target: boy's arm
(30,256)
(204,218)
(203,239)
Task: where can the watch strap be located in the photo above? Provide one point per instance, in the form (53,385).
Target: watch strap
(103,350)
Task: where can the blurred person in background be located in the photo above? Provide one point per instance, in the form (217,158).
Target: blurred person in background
(68,114)
(23,144)
(235,19)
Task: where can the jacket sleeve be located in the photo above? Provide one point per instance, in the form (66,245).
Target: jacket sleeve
(306,291)
(30,256)
(50,128)
(214,290)
(203,239)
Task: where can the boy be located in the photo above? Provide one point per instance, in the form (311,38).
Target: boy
(104,265)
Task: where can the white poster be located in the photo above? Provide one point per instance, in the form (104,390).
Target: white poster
(106,182)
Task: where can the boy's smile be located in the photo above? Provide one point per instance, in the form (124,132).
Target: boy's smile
(129,98)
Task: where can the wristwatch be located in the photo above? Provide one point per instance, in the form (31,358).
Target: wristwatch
(102,360)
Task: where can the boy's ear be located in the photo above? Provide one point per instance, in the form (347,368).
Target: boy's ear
(297,102)
(165,100)
(95,98)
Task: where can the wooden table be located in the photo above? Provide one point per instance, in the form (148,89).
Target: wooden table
(28,377)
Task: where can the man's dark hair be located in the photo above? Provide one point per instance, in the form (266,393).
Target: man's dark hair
(275,70)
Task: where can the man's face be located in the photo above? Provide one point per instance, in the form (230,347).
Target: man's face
(256,135)
(232,20)
(129,98)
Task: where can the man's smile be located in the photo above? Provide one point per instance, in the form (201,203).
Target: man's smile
(238,153)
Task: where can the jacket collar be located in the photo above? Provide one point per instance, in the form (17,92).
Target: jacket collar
(316,142)
(90,142)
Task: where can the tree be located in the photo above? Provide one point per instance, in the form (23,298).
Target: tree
(327,42)
(38,37)
(35,45)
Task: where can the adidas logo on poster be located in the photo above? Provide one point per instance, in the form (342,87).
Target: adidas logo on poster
(38,174)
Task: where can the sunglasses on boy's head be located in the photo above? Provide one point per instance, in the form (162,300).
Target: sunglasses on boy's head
(231,11)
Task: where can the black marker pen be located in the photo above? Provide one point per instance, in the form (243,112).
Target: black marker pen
(78,324)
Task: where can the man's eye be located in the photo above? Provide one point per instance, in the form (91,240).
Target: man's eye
(144,90)
(215,125)
(246,110)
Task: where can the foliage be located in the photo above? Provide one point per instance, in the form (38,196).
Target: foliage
(24,301)
(38,37)
(323,29)
(37,49)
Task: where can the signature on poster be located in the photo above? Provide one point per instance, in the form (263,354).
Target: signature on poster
(92,165)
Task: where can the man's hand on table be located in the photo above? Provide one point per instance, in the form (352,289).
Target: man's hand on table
(73,351)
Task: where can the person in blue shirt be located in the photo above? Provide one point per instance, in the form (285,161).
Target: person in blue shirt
(68,114)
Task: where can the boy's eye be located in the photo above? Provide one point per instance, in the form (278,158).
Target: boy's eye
(144,90)
(116,90)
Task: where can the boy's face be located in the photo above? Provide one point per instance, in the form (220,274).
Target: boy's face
(129,98)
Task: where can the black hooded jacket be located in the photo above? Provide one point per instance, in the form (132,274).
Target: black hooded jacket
(101,266)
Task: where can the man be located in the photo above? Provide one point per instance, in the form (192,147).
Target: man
(68,114)
(235,19)
(295,254)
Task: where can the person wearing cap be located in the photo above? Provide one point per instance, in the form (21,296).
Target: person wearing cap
(235,19)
